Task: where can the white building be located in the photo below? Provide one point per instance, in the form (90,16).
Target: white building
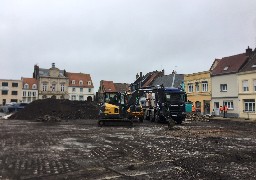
(80,87)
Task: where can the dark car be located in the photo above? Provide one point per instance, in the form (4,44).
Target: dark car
(16,107)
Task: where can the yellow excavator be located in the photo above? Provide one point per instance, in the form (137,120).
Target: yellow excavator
(119,109)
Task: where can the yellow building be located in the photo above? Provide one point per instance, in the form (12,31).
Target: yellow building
(198,88)
(11,91)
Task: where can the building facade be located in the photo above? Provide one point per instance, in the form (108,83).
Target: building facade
(198,88)
(225,83)
(52,82)
(247,88)
(11,91)
(29,89)
(80,87)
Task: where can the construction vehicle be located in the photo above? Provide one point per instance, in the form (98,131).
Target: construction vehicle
(119,109)
(164,104)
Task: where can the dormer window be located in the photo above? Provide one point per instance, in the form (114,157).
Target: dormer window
(73,82)
(225,68)
(34,86)
(89,83)
(81,82)
(26,86)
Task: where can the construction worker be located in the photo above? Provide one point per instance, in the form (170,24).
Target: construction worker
(221,109)
(225,109)
(193,108)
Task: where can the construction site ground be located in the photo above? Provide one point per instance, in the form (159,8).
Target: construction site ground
(78,149)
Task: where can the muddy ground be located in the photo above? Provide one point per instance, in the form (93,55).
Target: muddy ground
(79,149)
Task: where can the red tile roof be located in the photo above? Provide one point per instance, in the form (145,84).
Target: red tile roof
(108,86)
(251,65)
(80,77)
(29,81)
(231,64)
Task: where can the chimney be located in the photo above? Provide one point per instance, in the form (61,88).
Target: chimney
(53,65)
(140,74)
(137,76)
(163,72)
(248,51)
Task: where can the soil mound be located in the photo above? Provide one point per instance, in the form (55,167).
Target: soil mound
(60,109)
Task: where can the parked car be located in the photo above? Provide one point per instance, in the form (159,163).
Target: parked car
(16,107)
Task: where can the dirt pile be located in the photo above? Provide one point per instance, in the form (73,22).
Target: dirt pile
(60,109)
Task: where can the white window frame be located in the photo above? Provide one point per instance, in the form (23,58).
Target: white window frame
(73,82)
(26,86)
(249,105)
(24,93)
(245,84)
(190,87)
(73,97)
(223,87)
(89,83)
(81,98)
(29,93)
(229,104)
(81,90)
(73,89)
(62,87)
(89,90)
(204,86)
(34,86)
(81,82)
(34,94)
(44,87)
(54,87)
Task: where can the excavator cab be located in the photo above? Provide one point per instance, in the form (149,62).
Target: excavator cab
(114,110)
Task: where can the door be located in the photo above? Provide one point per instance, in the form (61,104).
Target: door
(216,108)
(206,107)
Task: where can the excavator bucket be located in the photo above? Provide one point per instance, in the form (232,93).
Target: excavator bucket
(115,122)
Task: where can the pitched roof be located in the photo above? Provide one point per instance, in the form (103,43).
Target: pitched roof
(231,64)
(251,64)
(29,81)
(108,86)
(80,77)
(45,72)
(121,87)
(168,79)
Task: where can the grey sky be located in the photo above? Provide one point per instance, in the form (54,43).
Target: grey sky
(115,39)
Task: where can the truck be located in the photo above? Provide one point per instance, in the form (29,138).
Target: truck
(164,104)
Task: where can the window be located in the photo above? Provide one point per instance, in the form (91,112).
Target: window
(245,85)
(73,97)
(62,87)
(81,89)
(14,100)
(73,89)
(229,104)
(44,87)
(53,87)
(4,83)
(34,94)
(26,86)
(89,90)
(204,86)
(73,82)
(89,83)
(249,105)
(80,82)
(14,92)
(29,93)
(4,92)
(225,68)
(24,93)
(223,87)
(81,98)
(44,97)
(254,84)
(190,87)
(34,86)
(14,84)
(197,87)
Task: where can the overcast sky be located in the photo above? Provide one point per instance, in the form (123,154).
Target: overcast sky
(115,39)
